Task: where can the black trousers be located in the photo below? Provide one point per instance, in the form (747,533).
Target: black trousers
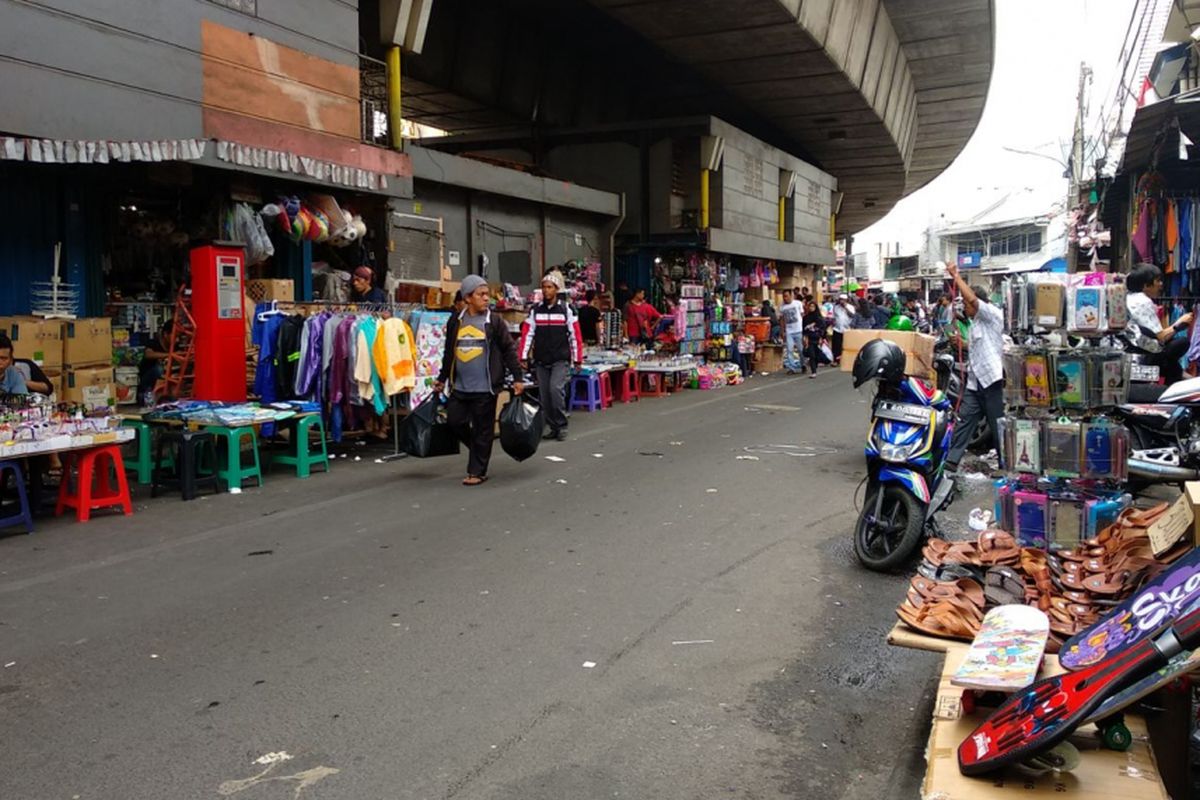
(837,345)
(1167,360)
(812,352)
(473,417)
(976,404)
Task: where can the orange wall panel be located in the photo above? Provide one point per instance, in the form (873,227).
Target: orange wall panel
(256,77)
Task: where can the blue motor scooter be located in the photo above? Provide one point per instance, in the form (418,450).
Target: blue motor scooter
(911,424)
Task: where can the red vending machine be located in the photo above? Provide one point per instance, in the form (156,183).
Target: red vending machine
(220,324)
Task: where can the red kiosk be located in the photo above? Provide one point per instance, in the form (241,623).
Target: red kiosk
(217,287)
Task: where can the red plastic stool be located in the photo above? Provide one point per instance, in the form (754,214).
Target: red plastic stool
(606,390)
(98,464)
(654,384)
(628,387)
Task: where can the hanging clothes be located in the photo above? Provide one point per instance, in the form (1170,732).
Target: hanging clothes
(394,356)
(287,356)
(370,386)
(1141,232)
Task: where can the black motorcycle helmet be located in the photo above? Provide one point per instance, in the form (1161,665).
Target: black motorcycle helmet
(879,359)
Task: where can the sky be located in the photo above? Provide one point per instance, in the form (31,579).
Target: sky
(1030,106)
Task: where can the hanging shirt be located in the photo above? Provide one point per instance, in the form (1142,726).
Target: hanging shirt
(265,334)
(471,355)
(395,359)
(369,385)
(287,355)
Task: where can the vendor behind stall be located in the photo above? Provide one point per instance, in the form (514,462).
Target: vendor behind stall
(363,288)
(1162,347)
(151,369)
(35,379)
(11,380)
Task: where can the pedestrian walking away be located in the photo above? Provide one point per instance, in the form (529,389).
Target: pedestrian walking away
(479,352)
(814,331)
(984,395)
(791,315)
(551,342)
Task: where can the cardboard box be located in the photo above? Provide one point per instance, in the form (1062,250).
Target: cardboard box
(1102,774)
(56,383)
(1192,490)
(39,340)
(266,290)
(768,358)
(87,342)
(91,386)
(917,347)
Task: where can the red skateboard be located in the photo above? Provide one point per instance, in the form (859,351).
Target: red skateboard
(1034,720)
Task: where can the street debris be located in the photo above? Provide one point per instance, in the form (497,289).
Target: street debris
(560,480)
(589,665)
(650,453)
(710,491)
(694,641)
(748,458)
(597,455)
(555,458)
(261,553)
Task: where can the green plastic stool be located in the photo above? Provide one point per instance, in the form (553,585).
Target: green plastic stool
(235,472)
(142,465)
(304,458)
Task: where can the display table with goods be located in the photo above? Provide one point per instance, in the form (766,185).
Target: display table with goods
(1115,582)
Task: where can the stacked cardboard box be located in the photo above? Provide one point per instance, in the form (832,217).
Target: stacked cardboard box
(87,362)
(266,290)
(917,347)
(40,341)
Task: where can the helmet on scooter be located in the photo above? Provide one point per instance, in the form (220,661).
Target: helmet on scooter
(900,322)
(879,359)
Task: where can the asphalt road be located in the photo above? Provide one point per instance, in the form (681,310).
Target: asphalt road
(383,632)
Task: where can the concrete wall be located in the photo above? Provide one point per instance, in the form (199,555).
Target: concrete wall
(133,69)
(452,205)
(574,236)
(499,224)
(611,166)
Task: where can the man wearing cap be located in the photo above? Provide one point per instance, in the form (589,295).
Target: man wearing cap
(362,288)
(551,336)
(843,320)
(479,351)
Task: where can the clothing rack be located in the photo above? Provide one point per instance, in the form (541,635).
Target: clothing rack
(351,307)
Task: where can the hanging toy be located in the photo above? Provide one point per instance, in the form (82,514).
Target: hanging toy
(320,227)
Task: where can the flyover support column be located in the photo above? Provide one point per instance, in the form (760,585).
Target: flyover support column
(395,118)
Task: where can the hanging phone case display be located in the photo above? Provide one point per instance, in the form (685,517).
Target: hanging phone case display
(1109,378)
(1062,449)
(1029,510)
(1117,307)
(1014,374)
(1050,303)
(1070,381)
(1037,380)
(1105,451)
(1066,524)
(1085,309)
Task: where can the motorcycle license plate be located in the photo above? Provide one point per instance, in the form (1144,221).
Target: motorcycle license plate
(1146,373)
(903,412)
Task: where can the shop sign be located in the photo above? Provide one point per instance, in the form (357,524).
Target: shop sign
(970,260)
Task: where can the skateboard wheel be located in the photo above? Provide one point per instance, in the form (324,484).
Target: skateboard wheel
(1117,737)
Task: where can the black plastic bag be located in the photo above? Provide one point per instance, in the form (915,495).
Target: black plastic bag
(520,428)
(424,433)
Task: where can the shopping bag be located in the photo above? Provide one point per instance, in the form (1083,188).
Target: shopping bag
(826,352)
(424,433)
(520,427)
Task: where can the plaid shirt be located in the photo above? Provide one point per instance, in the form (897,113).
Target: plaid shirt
(986,347)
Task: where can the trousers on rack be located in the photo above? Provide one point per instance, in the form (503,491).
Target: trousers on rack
(552,383)
(473,417)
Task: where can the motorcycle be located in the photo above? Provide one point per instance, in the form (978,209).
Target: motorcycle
(911,424)
(1165,435)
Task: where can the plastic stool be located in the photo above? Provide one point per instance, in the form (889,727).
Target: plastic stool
(190,447)
(680,382)
(96,466)
(654,384)
(606,390)
(627,388)
(590,401)
(303,457)
(24,516)
(143,466)
(234,473)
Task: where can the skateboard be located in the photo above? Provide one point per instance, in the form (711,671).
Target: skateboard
(1007,651)
(1141,615)
(1108,717)
(1034,720)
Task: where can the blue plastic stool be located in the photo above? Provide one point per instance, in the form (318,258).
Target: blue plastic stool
(23,516)
(591,399)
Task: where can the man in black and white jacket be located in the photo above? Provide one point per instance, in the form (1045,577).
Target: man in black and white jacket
(552,341)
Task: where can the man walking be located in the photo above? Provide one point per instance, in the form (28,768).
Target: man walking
(552,337)
(791,319)
(478,353)
(843,320)
(984,395)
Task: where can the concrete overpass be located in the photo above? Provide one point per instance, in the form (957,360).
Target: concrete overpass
(882,94)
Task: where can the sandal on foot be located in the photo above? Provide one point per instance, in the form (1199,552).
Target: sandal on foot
(474,480)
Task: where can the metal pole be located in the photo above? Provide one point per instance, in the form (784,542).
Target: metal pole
(395,119)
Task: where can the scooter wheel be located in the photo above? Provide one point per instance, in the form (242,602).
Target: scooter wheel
(1117,737)
(888,542)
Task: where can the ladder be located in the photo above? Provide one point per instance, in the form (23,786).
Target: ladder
(176,381)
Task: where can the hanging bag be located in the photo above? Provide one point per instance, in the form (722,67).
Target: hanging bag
(424,433)
(521,426)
